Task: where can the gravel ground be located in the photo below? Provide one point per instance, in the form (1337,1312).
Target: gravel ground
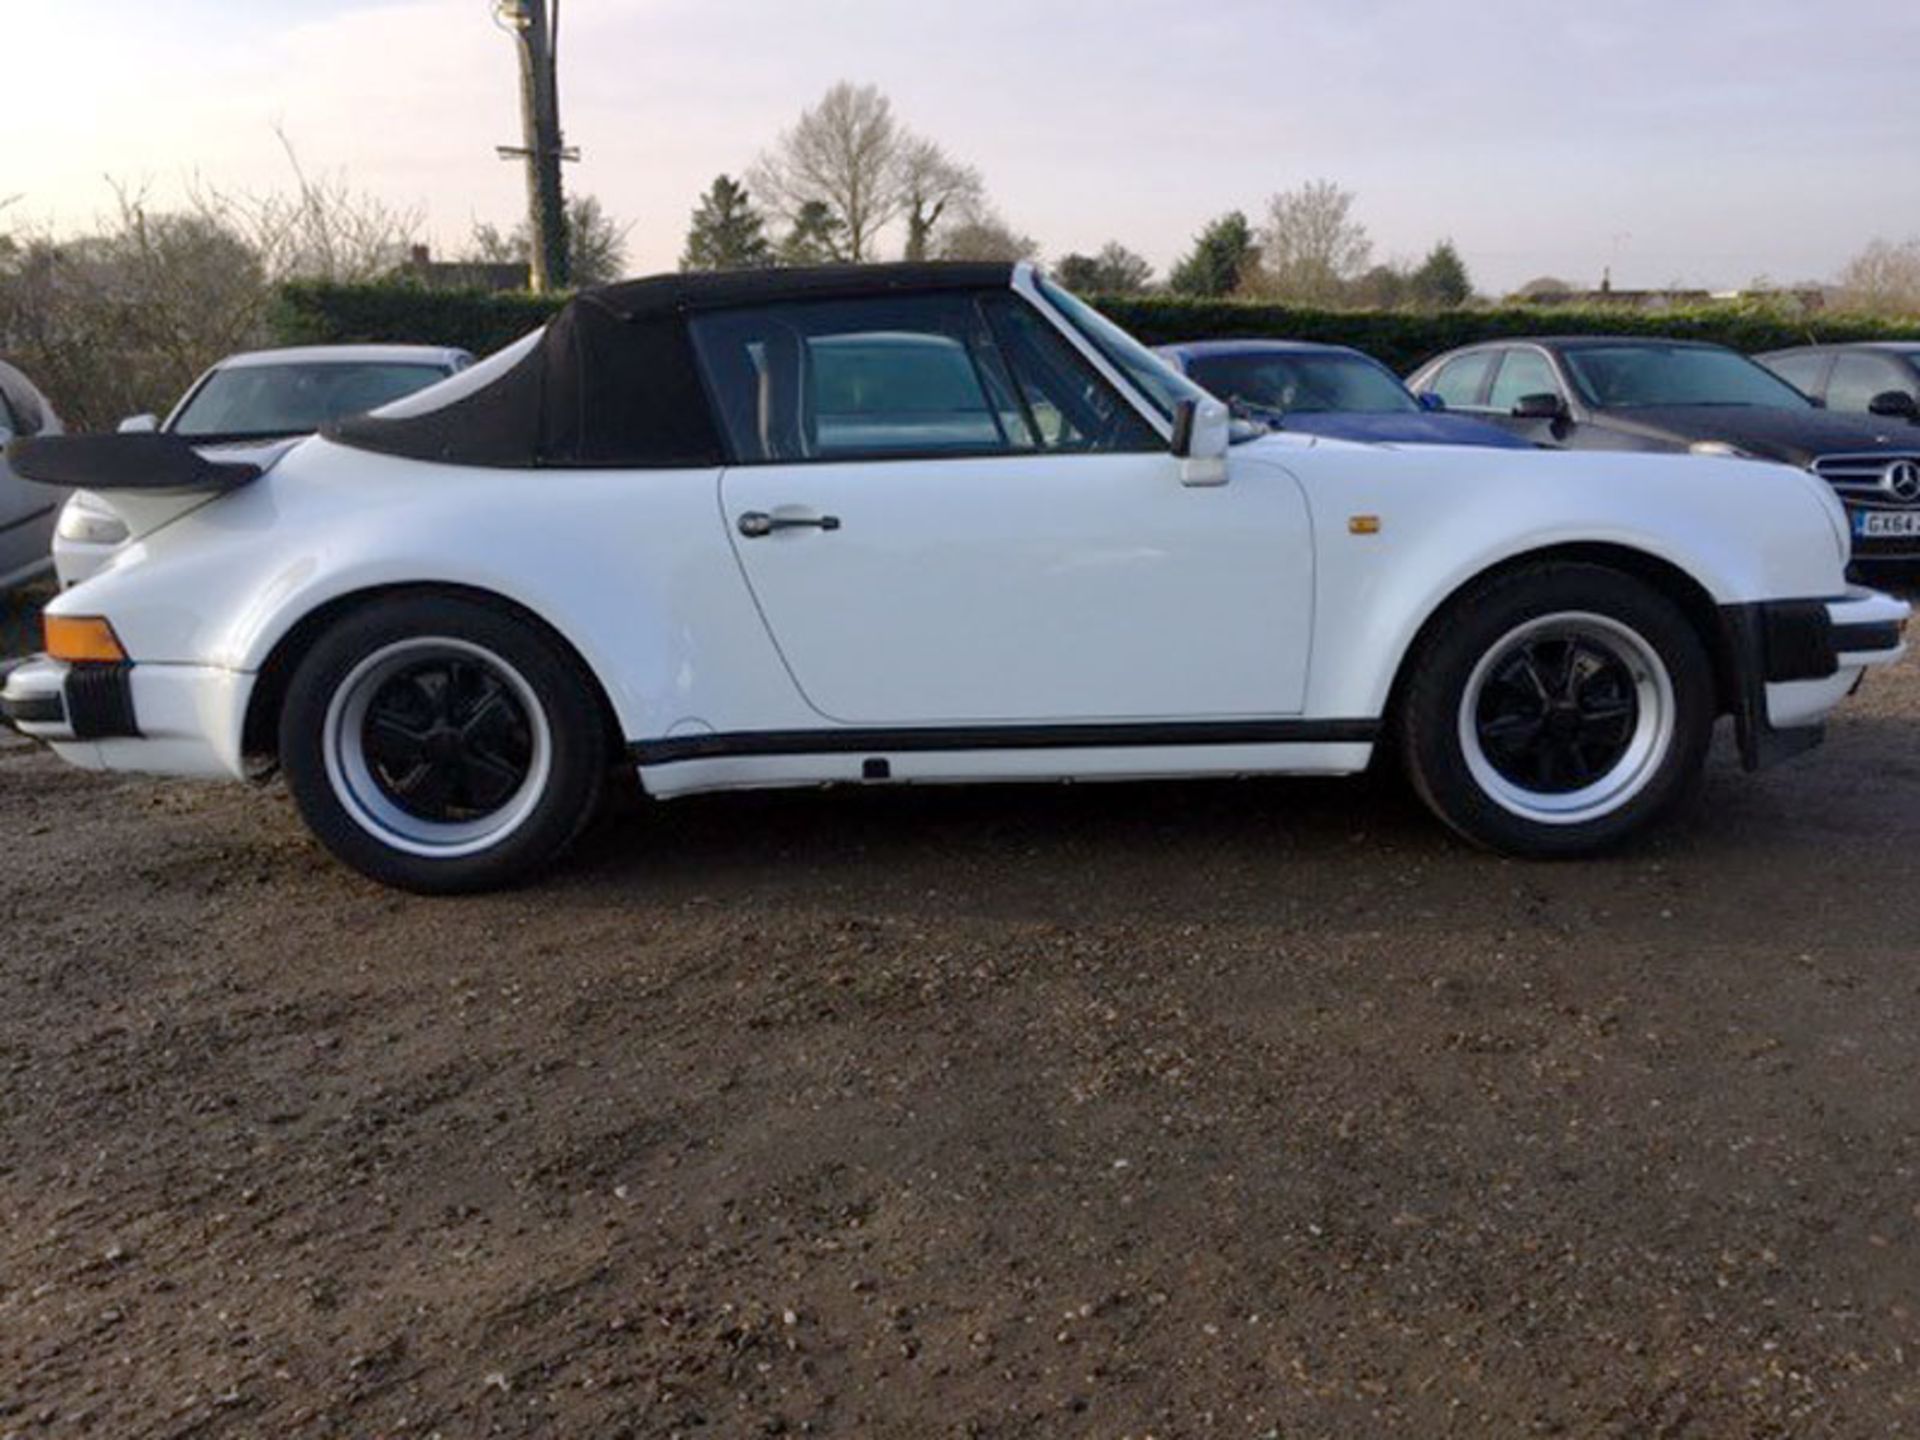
(1253,1109)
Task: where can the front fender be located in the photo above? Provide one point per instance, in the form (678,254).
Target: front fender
(1740,531)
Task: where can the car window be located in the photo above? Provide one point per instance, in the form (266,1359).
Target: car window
(1522,373)
(1163,386)
(1640,374)
(1800,370)
(1068,403)
(1459,382)
(296,397)
(1858,378)
(899,376)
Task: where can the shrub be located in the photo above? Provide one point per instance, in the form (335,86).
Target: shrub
(310,312)
(315,313)
(1403,339)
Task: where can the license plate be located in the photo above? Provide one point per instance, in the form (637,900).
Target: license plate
(1886,524)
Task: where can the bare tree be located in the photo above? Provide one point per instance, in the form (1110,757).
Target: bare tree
(1883,279)
(1547,287)
(320,229)
(985,236)
(123,318)
(932,186)
(1311,244)
(596,243)
(843,153)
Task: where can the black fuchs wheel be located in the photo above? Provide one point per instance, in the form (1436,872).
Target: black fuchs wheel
(441,744)
(1557,709)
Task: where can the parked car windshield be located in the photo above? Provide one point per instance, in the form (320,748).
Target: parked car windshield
(295,398)
(1626,377)
(1305,384)
(1163,386)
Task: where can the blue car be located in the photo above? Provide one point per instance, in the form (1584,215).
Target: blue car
(1327,390)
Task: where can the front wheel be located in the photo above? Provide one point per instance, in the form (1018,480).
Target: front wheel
(442,744)
(1557,709)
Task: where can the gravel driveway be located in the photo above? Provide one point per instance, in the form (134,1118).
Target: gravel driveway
(1248,1109)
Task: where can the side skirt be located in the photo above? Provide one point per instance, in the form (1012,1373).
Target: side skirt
(989,754)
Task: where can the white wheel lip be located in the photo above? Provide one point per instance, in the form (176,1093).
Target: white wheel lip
(359,794)
(1652,740)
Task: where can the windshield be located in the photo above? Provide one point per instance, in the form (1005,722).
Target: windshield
(1627,377)
(1162,385)
(1304,384)
(296,398)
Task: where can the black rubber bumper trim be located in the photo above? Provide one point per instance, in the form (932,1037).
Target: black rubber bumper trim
(1749,632)
(99,698)
(1003,737)
(1797,638)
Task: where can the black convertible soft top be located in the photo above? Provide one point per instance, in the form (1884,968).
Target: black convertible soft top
(611,382)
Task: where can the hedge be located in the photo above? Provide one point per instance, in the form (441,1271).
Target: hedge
(309,313)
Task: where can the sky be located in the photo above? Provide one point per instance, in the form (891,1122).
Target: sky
(1697,142)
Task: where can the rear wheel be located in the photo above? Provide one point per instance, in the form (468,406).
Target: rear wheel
(1557,709)
(442,744)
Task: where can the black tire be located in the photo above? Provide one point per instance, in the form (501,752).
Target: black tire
(404,728)
(1625,710)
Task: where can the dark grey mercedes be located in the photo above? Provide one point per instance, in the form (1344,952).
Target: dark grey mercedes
(1622,393)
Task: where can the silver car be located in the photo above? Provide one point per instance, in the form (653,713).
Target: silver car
(253,404)
(26,511)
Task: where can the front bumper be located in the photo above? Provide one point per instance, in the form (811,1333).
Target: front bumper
(164,719)
(1790,662)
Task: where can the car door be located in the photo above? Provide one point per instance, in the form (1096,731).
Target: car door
(1524,373)
(947,514)
(1858,376)
(1462,381)
(1805,370)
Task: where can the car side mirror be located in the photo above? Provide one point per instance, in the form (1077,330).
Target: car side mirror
(1431,400)
(1894,402)
(139,425)
(1202,431)
(1544,406)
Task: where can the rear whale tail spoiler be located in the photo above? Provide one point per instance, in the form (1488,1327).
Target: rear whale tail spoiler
(155,462)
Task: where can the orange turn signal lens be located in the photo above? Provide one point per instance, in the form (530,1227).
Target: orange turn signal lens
(82,638)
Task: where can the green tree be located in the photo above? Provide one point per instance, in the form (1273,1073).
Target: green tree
(1116,270)
(596,243)
(1221,261)
(1384,287)
(813,238)
(1442,280)
(727,233)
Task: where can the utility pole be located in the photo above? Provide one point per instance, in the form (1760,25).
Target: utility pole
(535,28)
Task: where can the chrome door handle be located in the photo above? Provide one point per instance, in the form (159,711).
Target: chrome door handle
(756,523)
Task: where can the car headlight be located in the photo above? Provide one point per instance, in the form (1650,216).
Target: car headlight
(1718,447)
(88,520)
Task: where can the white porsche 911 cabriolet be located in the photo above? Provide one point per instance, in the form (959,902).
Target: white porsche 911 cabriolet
(911,524)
